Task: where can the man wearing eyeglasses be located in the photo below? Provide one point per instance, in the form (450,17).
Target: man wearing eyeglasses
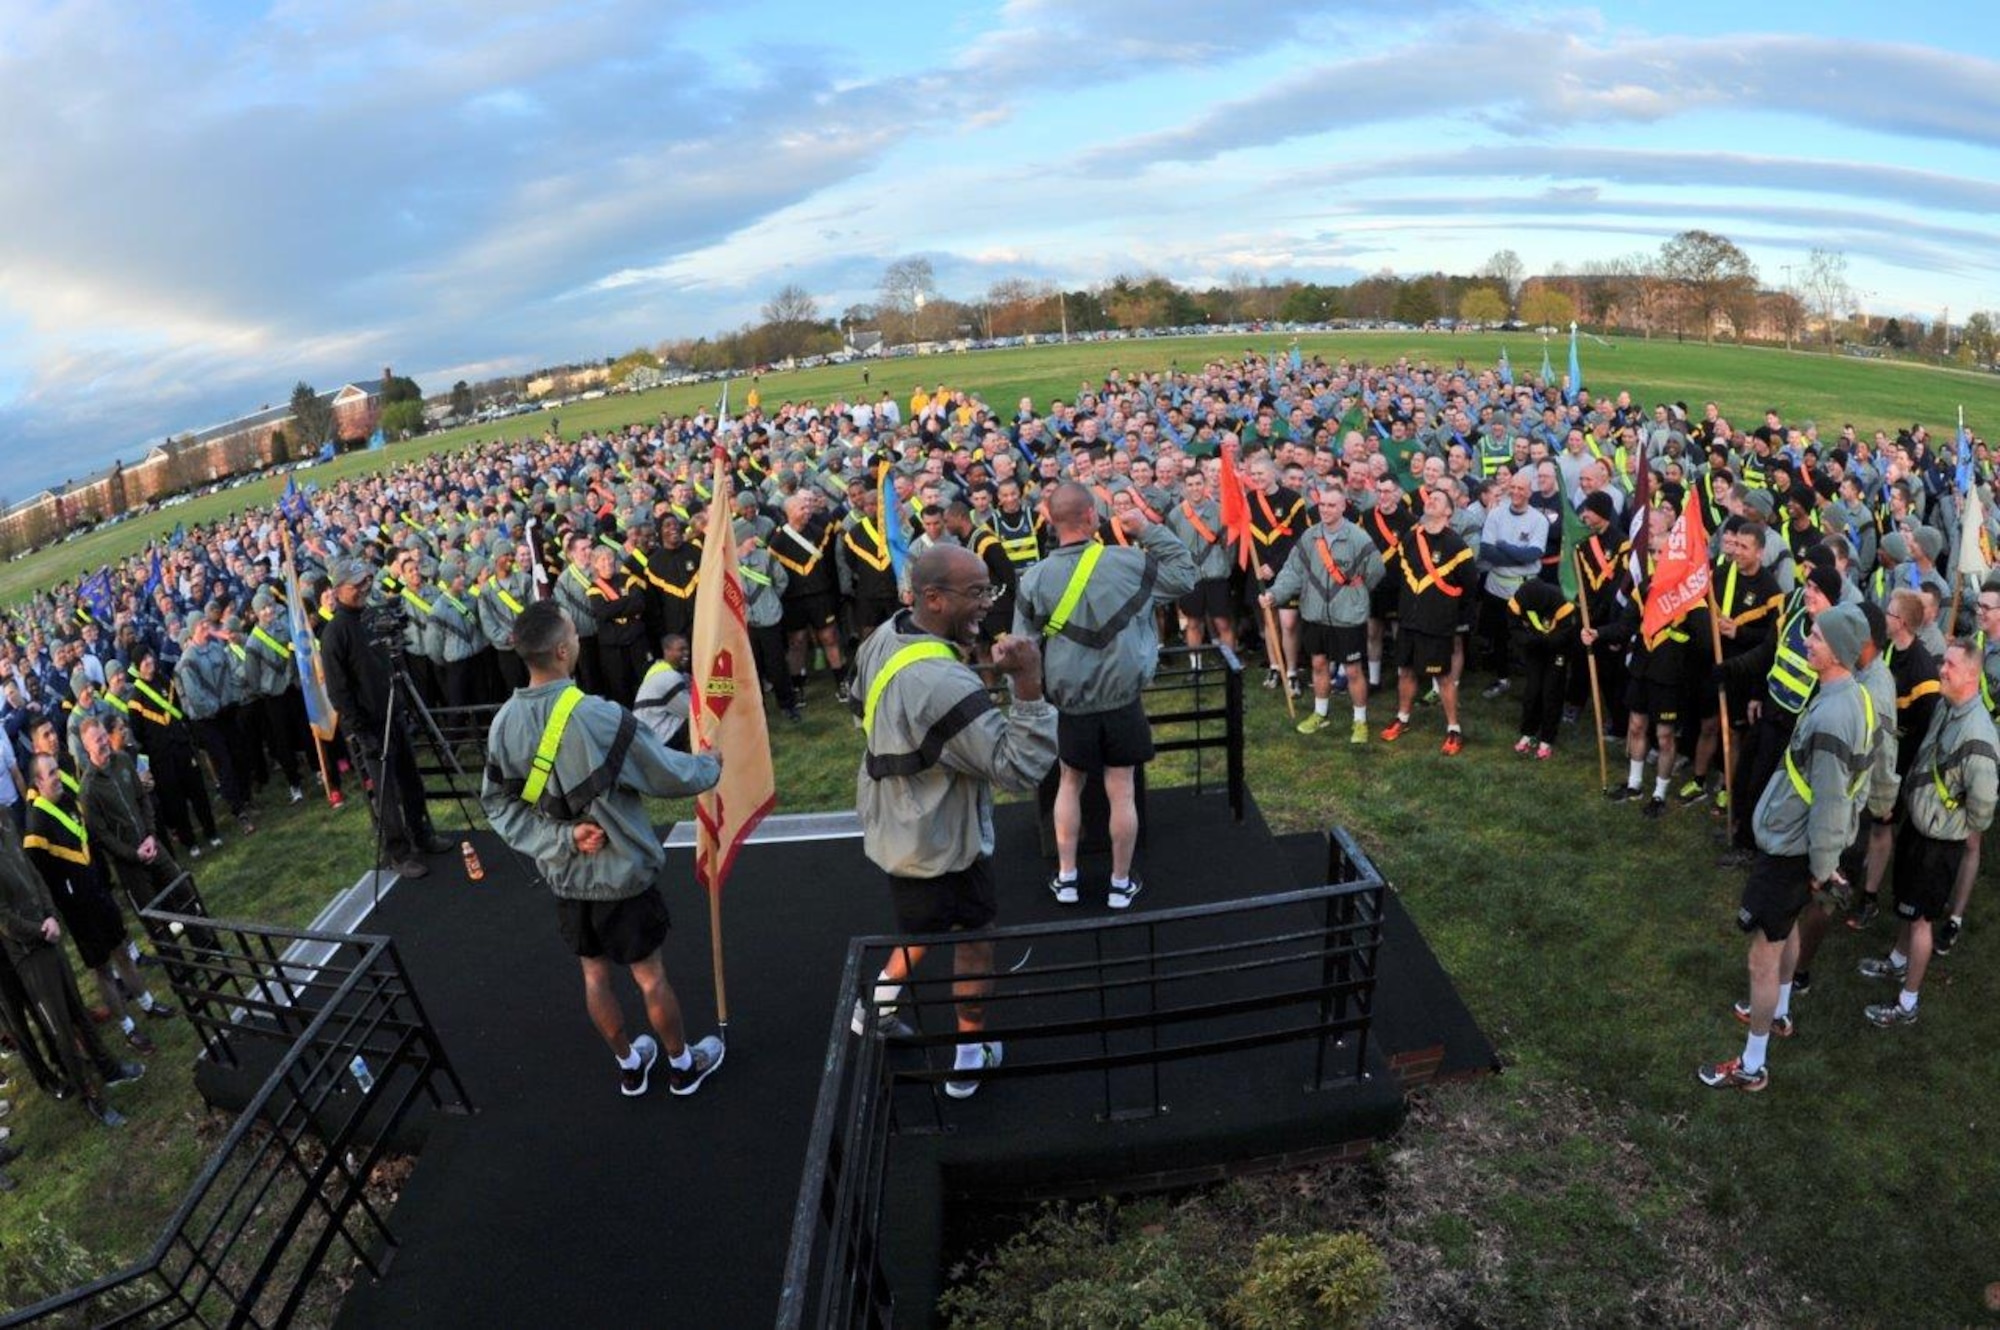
(935,748)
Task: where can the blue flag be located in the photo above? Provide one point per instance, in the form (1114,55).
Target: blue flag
(1964,459)
(376,441)
(180,534)
(1297,362)
(1506,370)
(326,451)
(291,503)
(95,592)
(895,531)
(1548,370)
(1575,367)
(153,578)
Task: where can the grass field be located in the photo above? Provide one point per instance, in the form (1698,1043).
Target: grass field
(1597,949)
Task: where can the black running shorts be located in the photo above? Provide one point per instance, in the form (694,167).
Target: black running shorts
(964,899)
(1340,643)
(626,931)
(1092,741)
(1778,888)
(1424,653)
(1926,872)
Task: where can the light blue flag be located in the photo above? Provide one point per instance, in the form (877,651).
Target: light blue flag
(1575,367)
(377,441)
(1298,362)
(1548,370)
(1506,370)
(895,530)
(1964,459)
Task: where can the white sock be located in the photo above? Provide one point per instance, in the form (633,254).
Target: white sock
(1907,1000)
(1374,671)
(1659,787)
(1753,1052)
(1361,715)
(145,1000)
(1897,959)
(1635,776)
(968,1057)
(1120,883)
(631,1060)
(1320,705)
(1784,1002)
(1402,718)
(125,1024)
(132,950)
(886,993)
(682,1060)
(1066,875)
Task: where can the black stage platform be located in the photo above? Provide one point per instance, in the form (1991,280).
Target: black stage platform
(563,1201)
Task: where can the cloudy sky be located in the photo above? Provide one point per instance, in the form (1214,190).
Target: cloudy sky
(207,203)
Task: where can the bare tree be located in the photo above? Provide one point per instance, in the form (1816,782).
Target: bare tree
(1825,289)
(791,317)
(1713,275)
(907,286)
(1506,268)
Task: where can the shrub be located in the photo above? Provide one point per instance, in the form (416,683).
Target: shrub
(1323,1281)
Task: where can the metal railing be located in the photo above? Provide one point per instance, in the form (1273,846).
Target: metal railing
(1195,703)
(1115,999)
(289,1181)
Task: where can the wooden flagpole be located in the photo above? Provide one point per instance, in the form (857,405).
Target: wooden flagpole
(1721,690)
(1590,663)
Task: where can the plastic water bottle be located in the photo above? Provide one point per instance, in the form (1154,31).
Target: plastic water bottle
(362,1076)
(473,869)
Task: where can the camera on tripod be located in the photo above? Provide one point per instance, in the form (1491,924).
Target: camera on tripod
(388,620)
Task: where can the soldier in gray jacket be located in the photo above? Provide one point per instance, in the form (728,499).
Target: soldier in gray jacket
(206,677)
(506,594)
(1332,571)
(567,777)
(1197,520)
(271,694)
(1805,818)
(1092,608)
(1949,795)
(936,747)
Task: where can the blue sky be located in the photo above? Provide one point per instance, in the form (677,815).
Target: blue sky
(207,203)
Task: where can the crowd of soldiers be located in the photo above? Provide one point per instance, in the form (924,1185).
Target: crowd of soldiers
(1350,522)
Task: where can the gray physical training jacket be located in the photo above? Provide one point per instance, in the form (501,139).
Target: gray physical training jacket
(1321,598)
(605,767)
(935,750)
(1107,651)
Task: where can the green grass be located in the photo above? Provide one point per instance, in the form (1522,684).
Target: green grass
(1598,950)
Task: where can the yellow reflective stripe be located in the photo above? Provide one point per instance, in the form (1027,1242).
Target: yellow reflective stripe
(69,783)
(895,665)
(1078,579)
(70,824)
(753,575)
(506,599)
(284,652)
(545,751)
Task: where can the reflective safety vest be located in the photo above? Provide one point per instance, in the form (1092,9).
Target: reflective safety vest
(1792,677)
(277,648)
(1858,763)
(1024,549)
(896,664)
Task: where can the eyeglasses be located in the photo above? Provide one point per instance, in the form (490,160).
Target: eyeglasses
(986,593)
